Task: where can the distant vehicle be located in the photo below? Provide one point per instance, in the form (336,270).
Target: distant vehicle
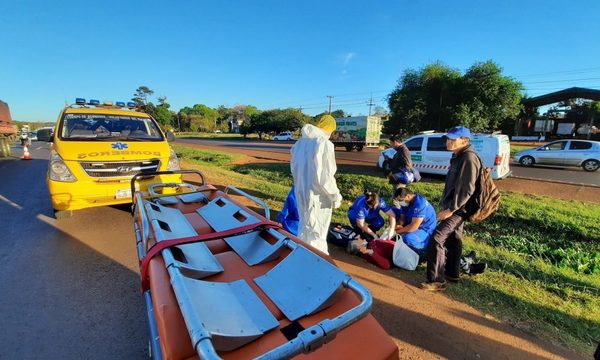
(33,136)
(45,134)
(8,132)
(217,131)
(356,132)
(578,153)
(429,154)
(284,136)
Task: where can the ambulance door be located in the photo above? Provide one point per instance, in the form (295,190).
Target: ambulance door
(415,145)
(436,157)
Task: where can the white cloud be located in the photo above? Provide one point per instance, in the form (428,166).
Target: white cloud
(348,57)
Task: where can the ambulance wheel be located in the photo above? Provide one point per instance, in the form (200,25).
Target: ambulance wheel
(590,165)
(62,214)
(3,151)
(527,161)
(349,147)
(359,148)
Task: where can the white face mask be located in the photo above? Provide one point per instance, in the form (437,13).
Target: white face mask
(403,203)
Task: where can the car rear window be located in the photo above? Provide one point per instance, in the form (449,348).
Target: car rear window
(580,145)
(436,144)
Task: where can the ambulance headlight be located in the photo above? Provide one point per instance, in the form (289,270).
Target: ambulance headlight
(58,170)
(173,162)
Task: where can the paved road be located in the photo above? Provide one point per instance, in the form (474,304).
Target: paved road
(369,157)
(69,289)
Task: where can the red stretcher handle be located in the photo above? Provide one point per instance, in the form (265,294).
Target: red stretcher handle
(160,246)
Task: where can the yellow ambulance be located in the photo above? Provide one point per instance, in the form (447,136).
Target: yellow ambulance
(96,150)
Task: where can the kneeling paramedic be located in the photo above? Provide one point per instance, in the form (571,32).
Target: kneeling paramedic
(365,217)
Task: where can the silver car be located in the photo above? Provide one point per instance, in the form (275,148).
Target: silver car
(583,153)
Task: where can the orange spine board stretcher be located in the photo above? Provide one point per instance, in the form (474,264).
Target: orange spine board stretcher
(222,281)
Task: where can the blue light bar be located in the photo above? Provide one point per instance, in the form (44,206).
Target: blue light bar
(131,104)
(94,102)
(80,101)
(120,103)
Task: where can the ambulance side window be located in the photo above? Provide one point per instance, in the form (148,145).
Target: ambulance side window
(414,144)
(436,143)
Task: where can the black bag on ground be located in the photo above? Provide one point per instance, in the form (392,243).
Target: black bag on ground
(486,199)
(340,235)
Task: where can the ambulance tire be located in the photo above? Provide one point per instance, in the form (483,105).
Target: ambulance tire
(359,148)
(3,148)
(386,168)
(527,161)
(62,214)
(349,147)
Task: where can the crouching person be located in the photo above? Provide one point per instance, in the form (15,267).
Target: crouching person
(365,217)
(416,219)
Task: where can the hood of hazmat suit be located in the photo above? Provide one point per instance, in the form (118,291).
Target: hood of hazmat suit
(313,167)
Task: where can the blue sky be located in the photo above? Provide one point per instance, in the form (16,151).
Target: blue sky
(280,53)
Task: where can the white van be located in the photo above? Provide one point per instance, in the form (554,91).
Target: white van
(429,154)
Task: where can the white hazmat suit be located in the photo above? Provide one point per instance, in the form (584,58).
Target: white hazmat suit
(313,167)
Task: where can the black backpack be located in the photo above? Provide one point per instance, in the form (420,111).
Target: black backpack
(486,199)
(340,235)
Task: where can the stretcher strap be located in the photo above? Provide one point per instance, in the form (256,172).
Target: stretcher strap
(161,245)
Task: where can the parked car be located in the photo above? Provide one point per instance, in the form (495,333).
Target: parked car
(33,136)
(284,136)
(429,154)
(579,153)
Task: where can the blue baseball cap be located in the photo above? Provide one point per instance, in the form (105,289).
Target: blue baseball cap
(458,132)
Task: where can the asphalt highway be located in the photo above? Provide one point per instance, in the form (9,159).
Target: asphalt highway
(69,289)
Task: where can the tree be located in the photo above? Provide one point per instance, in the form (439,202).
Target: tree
(205,117)
(141,95)
(438,97)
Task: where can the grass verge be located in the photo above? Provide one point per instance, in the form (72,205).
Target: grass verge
(527,285)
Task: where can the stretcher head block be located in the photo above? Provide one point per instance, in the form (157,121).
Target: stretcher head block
(168,223)
(195,259)
(231,313)
(223,214)
(254,249)
(302,283)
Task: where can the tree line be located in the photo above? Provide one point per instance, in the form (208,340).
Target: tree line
(248,119)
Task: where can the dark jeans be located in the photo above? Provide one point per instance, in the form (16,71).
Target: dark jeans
(448,234)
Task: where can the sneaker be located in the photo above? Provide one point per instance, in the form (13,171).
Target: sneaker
(452,278)
(477,268)
(433,286)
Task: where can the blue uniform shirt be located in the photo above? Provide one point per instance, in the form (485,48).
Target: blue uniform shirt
(419,208)
(360,210)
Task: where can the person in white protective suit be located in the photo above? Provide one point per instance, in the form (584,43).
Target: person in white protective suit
(313,167)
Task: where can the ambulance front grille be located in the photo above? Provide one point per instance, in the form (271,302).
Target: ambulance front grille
(117,169)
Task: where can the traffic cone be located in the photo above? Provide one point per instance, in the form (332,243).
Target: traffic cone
(26,155)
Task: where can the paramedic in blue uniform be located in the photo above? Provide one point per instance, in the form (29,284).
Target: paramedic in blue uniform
(416,220)
(445,248)
(289,217)
(365,217)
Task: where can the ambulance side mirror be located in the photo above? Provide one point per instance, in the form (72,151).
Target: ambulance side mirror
(170,136)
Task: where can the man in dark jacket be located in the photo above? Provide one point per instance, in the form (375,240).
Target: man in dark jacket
(401,169)
(460,187)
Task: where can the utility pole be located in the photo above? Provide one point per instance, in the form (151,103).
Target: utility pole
(370,103)
(330,97)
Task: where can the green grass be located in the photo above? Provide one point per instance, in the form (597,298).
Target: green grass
(543,253)
(516,148)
